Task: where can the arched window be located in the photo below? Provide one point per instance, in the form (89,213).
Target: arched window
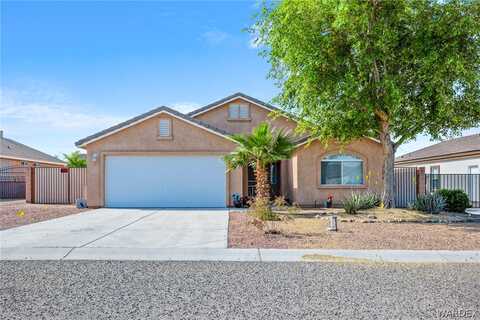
(341,169)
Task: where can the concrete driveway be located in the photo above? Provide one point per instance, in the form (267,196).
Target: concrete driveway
(124,228)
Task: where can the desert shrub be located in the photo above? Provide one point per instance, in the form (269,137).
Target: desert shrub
(280,202)
(351,204)
(431,203)
(370,200)
(261,209)
(359,201)
(294,208)
(455,200)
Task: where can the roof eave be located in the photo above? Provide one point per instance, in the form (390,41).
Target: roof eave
(86,141)
(446,156)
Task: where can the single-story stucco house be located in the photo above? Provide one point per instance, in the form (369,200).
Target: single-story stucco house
(455,156)
(14,154)
(164,158)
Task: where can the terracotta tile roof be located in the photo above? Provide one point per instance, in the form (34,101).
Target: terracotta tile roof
(13,149)
(449,147)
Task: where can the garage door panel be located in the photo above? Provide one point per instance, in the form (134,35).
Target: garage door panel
(165,181)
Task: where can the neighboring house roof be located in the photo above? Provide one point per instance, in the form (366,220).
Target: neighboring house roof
(458,147)
(148,115)
(11,149)
(232,97)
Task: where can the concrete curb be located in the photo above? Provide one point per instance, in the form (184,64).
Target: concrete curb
(255,255)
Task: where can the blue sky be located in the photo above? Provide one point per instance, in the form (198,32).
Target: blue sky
(70,69)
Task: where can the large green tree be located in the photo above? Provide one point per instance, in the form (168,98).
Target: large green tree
(387,69)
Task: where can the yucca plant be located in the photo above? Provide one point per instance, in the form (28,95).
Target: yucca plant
(263,147)
(358,201)
(431,203)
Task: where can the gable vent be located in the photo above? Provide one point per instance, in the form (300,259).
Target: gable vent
(164,128)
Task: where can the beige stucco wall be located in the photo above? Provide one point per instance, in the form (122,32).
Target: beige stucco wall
(304,171)
(218,117)
(299,175)
(9,163)
(142,139)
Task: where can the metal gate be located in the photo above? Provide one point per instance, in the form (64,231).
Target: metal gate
(405,186)
(12,182)
(59,185)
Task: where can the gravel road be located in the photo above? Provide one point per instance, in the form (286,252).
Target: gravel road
(221,290)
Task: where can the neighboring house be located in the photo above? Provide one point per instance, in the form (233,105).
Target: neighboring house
(164,158)
(456,156)
(15,154)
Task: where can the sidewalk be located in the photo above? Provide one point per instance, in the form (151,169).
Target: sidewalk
(255,255)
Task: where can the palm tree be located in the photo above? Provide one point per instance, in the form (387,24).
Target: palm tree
(263,147)
(75,160)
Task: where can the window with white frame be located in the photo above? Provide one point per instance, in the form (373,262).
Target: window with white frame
(341,169)
(238,111)
(164,128)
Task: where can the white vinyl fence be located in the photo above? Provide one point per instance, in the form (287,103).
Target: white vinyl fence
(59,185)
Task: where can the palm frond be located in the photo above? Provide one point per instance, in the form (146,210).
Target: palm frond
(264,144)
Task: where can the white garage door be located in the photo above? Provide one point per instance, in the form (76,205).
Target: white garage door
(165,181)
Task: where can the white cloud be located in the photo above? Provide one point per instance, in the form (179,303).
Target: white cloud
(56,115)
(47,120)
(185,107)
(215,37)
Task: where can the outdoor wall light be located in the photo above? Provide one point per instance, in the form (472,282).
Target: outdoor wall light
(94,157)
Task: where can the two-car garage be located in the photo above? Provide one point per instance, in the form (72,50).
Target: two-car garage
(151,181)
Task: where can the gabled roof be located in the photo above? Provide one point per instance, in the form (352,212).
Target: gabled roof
(455,147)
(11,149)
(232,97)
(148,115)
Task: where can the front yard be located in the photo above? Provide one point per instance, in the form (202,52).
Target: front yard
(18,213)
(371,229)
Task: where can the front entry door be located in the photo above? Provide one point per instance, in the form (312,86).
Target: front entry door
(274,176)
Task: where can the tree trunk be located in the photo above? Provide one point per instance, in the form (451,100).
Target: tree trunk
(263,185)
(388,166)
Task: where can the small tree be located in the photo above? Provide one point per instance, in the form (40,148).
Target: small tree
(75,160)
(260,149)
(387,69)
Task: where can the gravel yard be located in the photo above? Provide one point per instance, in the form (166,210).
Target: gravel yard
(312,233)
(222,290)
(11,216)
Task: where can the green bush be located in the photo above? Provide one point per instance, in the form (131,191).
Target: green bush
(359,201)
(431,203)
(455,200)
